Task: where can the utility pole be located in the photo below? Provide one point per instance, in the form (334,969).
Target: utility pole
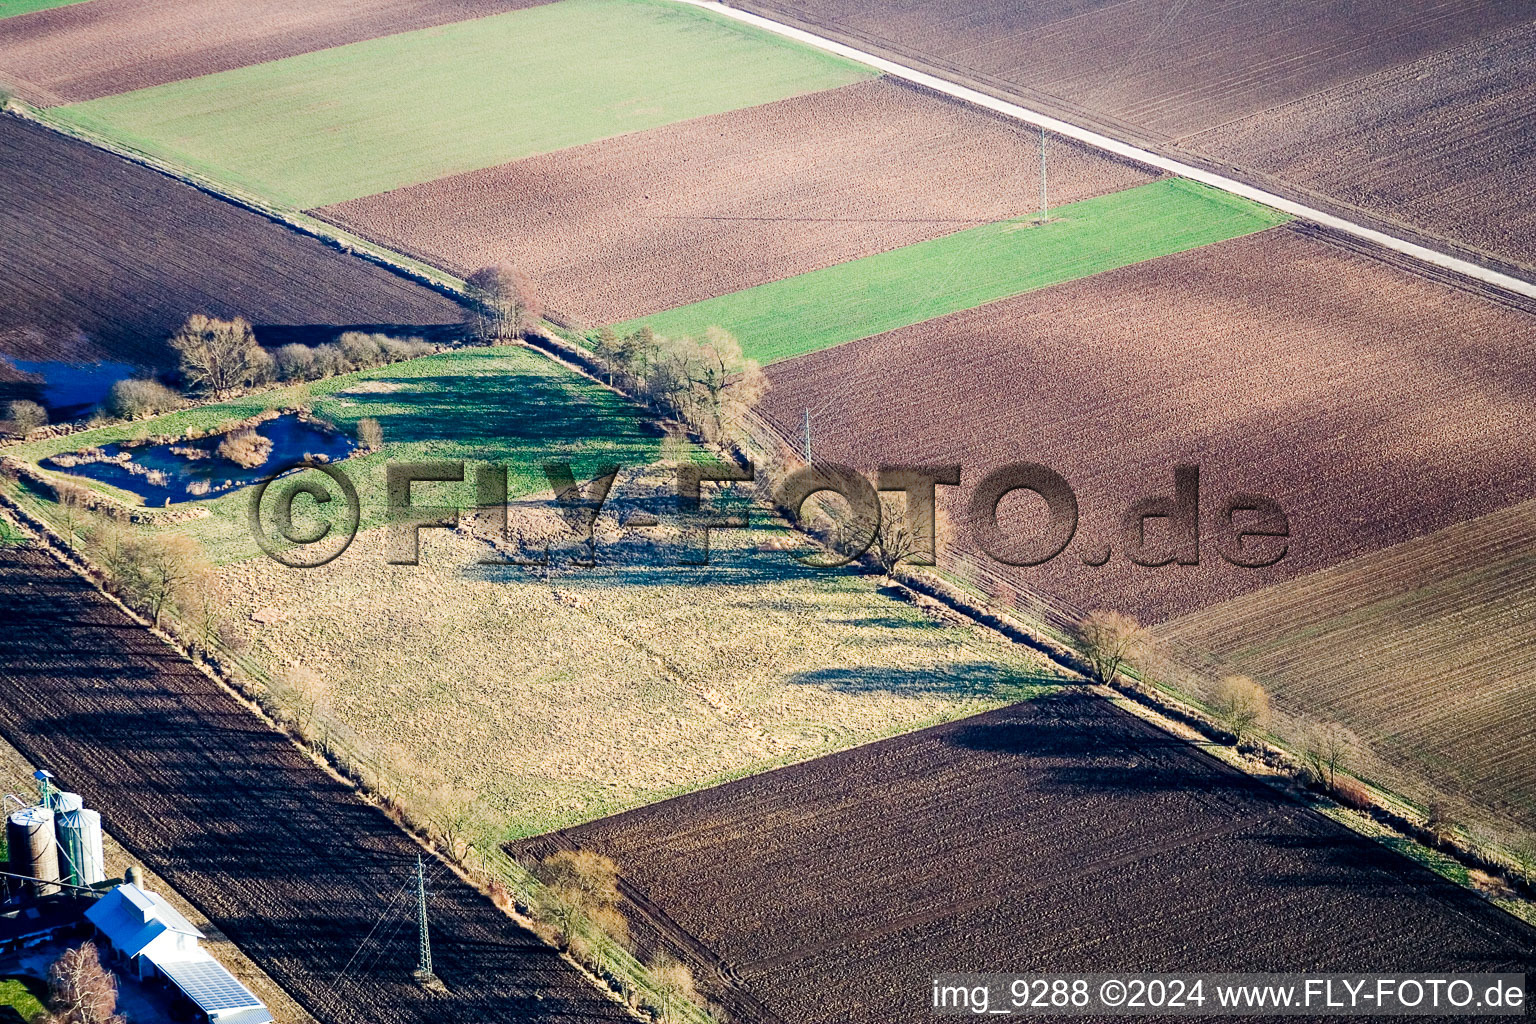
(424,964)
(1045,206)
(807,436)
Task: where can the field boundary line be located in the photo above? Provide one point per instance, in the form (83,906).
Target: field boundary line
(1147,157)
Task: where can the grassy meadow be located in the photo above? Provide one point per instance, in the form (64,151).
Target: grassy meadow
(502,701)
(371,116)
(969,268)
(506,702)
(509,406)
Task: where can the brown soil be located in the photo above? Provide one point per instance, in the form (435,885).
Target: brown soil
(1163,67)
(1443,143)
(1374,405)
(104,259)
(1060,835)
(1425,651)
(290,864)
(86,50)
(648,221)
(1412,111)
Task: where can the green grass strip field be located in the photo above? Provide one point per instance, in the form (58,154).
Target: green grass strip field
(364,118)
(11,8)
(970,268)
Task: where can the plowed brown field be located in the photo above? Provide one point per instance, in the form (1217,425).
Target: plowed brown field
(290,864)
(104,258)
(1163,67)
(1373,405)
(1426,651)
(1410,110)
(84,51)
(1443,143)
(1060,835)
(647,221)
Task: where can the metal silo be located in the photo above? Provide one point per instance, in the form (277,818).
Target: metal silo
(80,852)
(58,801)
(34,848)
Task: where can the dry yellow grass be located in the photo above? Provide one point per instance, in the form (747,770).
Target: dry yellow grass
(508,702)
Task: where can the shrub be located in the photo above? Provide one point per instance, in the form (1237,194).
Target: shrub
(330,360)
(246,448)
(362,350)
(397,349)
(1352,794)
(369,434)
(132,399)
(25,416)
(295,362)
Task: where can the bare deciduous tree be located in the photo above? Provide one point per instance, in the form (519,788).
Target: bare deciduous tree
(1523,851)
(709,384)
(904,537)
(675,986)
(203,601)
(1328,751)
(163,566)
(1109,641)
(219,356)
(726,383)
(74,502)
(1440,819)
(25,416)
(306,693)
(1242,705)
(503,304)
(80,990)
(580,895)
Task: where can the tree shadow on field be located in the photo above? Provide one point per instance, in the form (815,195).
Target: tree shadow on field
(1083,744)
(1317,854)
(967,679)
(277,335)
(656,567)
(524,418)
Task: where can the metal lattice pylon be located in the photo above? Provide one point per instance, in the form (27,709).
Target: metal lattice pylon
(424,961)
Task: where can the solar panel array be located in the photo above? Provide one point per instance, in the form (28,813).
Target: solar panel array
(209,985)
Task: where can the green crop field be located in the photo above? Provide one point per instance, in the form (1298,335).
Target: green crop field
(364,118)
(970,268)
(11,8)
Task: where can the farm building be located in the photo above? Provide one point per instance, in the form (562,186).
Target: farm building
(153,940)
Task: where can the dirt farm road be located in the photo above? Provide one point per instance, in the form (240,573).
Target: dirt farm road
(1344,226)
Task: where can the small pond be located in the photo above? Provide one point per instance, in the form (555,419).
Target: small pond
(190,470)
(70,390)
